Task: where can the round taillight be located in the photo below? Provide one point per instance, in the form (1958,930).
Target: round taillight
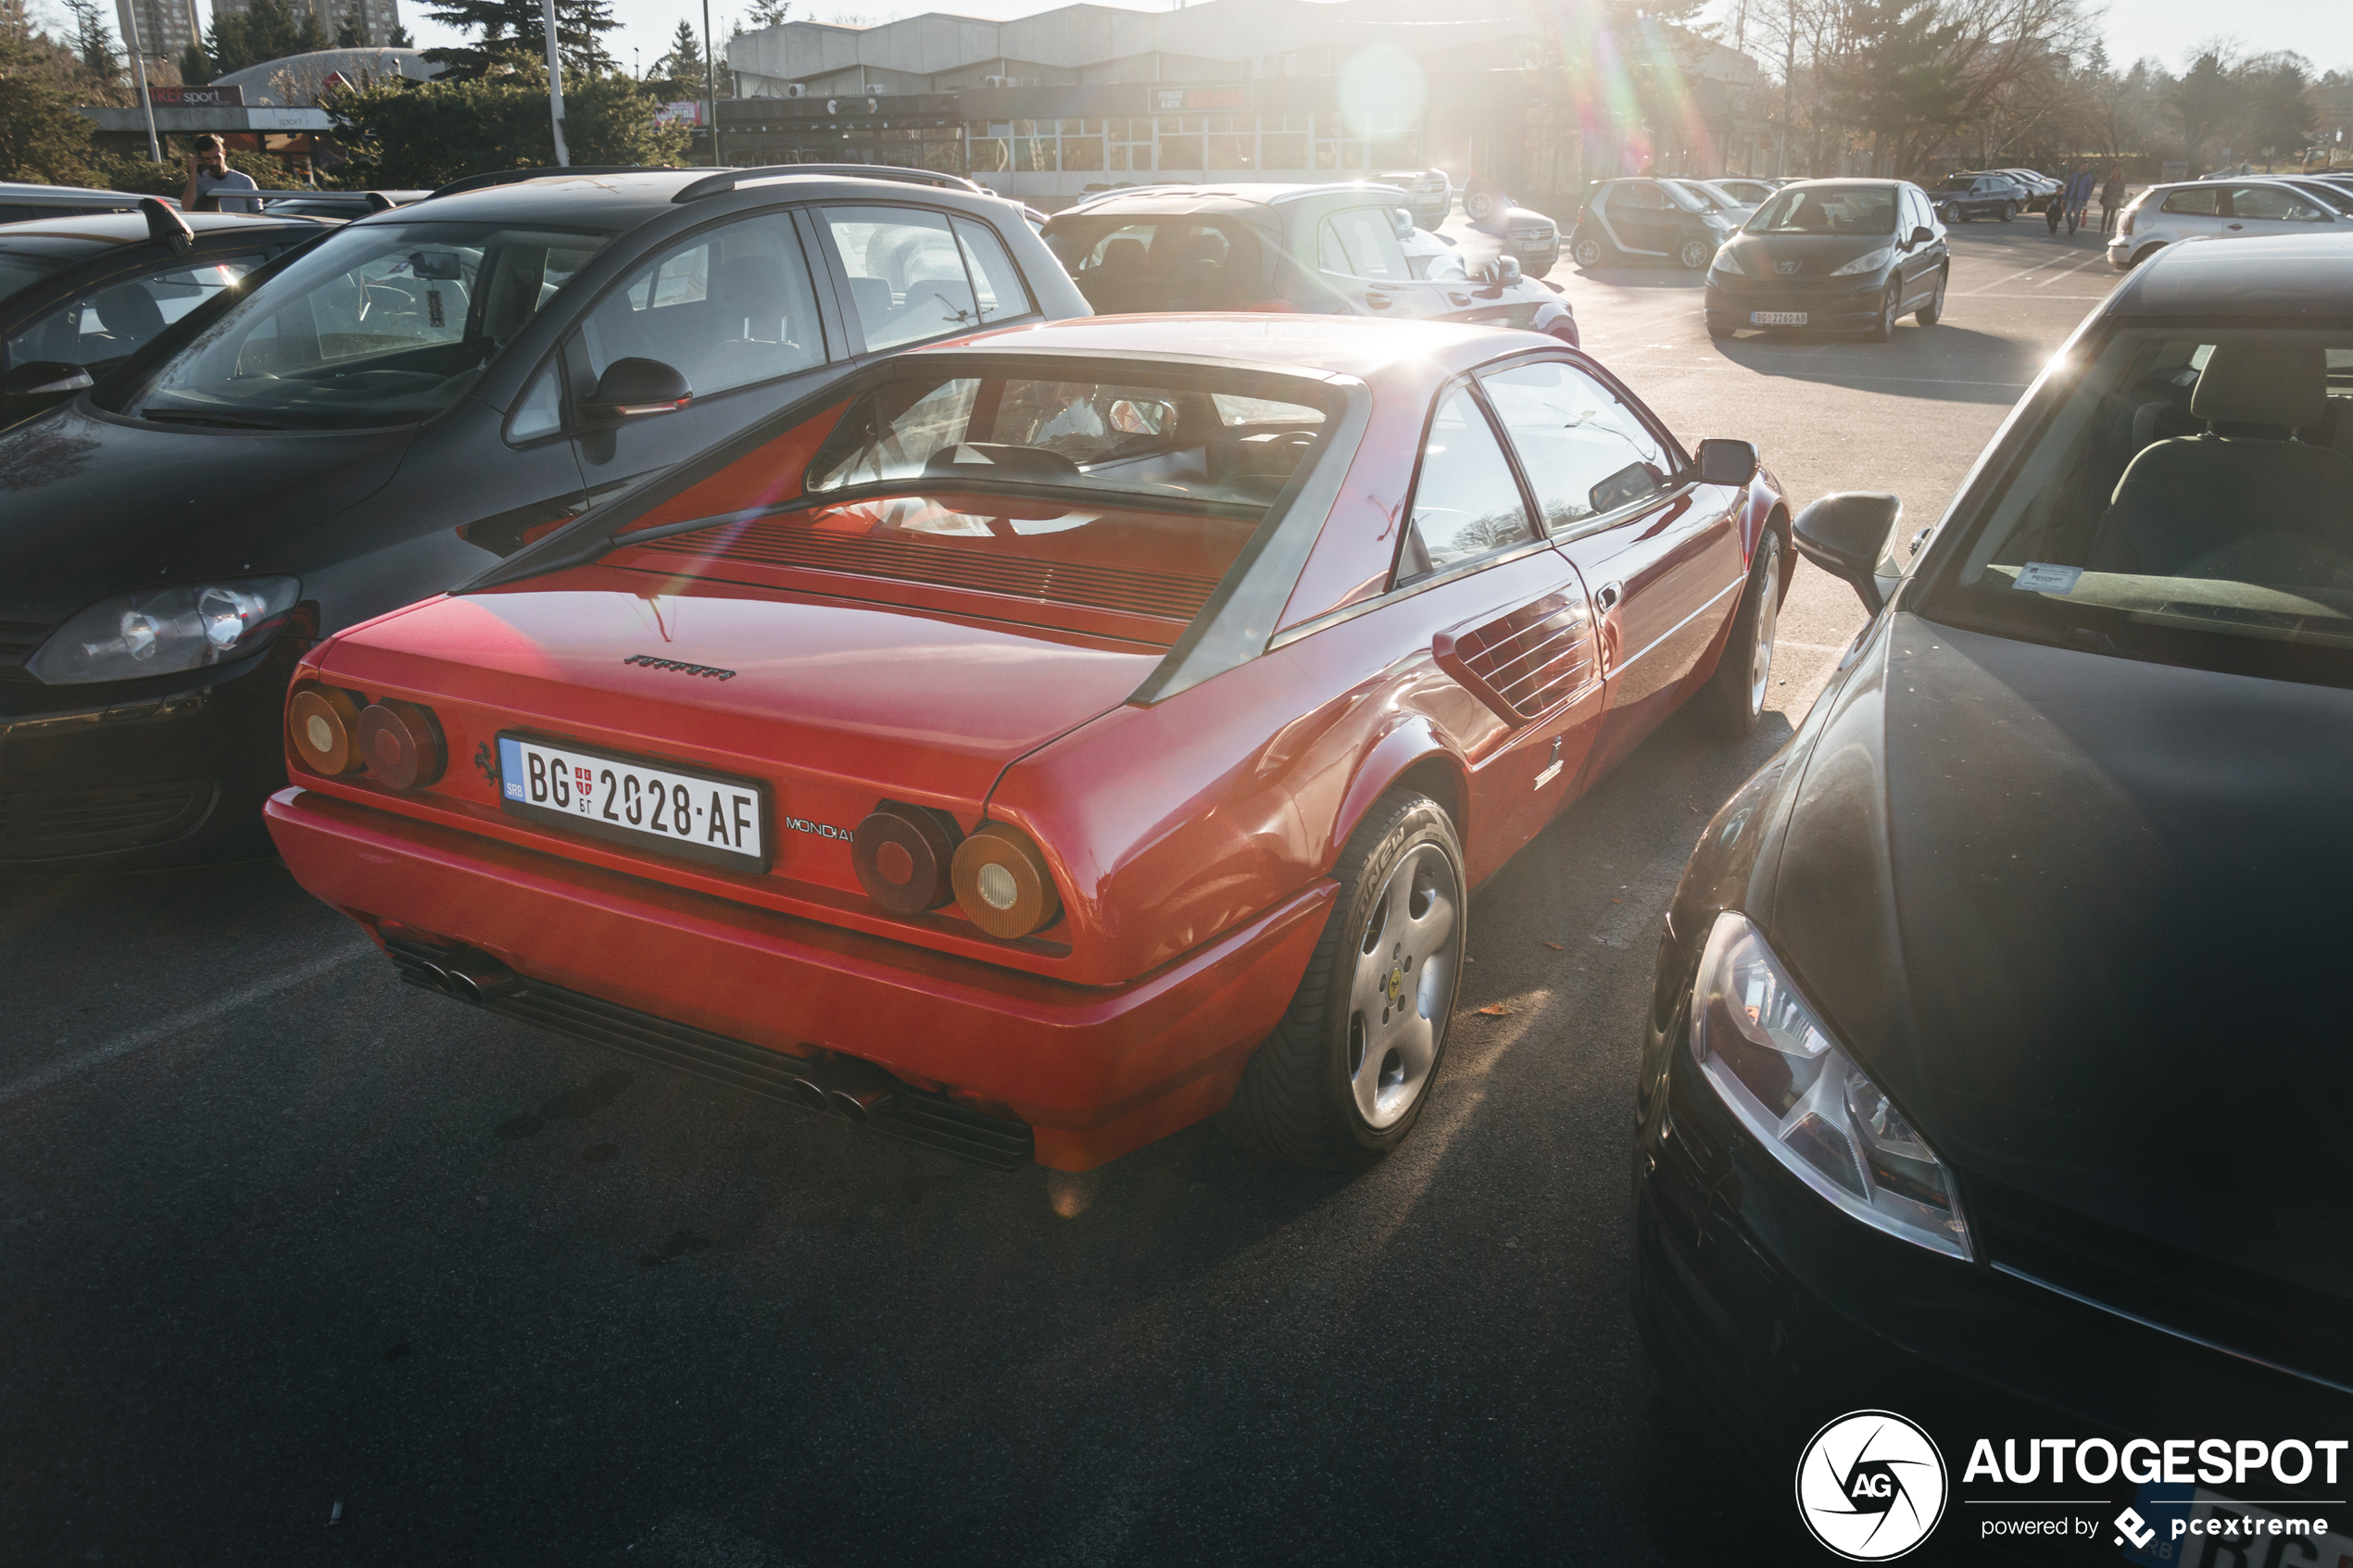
(321,723)
(901,855)
(401,744)
(1002,884)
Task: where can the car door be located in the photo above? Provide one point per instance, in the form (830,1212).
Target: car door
(2273,209)
(1360,260)
(1642,218)
(1918,262)
(733,307)
(1502,620)
(2195,210)
(1660,552)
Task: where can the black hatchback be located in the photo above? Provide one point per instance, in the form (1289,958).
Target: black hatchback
(1994,1062)
(1832,255)
(380,417)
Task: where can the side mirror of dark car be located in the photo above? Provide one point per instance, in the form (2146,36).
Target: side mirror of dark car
(1844,535)
(631,388)
(1921,236)
(38,383)
(1723,460)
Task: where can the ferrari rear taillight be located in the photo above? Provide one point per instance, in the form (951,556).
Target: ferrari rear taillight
(401,744)
(1002,882)
(902,854)
(323,724)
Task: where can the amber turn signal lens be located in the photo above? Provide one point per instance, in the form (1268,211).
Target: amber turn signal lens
(401,744)
(1002,884)
(323,723)
(901,855)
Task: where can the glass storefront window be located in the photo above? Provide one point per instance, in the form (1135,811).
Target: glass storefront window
(1180,152)
(1283,150)
(1083,153)
(1231,152)
(991,154)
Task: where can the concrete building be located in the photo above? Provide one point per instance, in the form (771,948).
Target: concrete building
(294,80)
(1046,107)
(164,28)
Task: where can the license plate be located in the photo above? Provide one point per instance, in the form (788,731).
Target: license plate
(696,816)
(1777,317)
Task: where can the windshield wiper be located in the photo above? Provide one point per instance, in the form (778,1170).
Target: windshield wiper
(191,416)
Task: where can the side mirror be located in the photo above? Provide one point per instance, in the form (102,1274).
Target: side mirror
(1844,534)
(1921,236)
(37,383)
(630,388)
(1500,272)
(1400,219)
(1725,461)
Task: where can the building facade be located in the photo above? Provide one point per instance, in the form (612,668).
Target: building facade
(376,21)
(1047,106)
(164,28)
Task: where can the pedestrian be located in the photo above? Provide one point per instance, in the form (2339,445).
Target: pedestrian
(2111,200)
(209,173)
(2079,197)
(2055,205)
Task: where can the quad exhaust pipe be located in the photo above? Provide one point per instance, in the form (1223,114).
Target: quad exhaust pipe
(845,1086)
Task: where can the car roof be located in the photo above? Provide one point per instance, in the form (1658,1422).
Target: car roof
(2264,276)
(624,200)
(1309,345)
(1253,198)
(91,232)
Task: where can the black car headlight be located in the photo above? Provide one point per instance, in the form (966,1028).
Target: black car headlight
(166,630)
(1756,1040)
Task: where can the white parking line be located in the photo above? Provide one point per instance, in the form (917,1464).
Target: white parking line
(2101,258)
(185,1023)
(2030,272)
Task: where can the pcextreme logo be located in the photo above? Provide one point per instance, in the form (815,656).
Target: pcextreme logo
(1870,1486)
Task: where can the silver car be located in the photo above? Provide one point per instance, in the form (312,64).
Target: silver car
(2218,209)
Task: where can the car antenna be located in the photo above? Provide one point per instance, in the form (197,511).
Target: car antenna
(166,227)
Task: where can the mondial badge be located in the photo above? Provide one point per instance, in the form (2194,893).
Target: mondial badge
(1870,1486)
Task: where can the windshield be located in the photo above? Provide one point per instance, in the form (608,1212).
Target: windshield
(1828,209)
(1709,197)
(2187,497)
(380,325)
(1126,265)
(18,271)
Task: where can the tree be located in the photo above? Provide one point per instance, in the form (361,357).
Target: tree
(680,72)
(268,30)
(2204,101)
(352,31)
(196,66)
(93,41)
(42,141)
(2279,114)
(511,34)
(769,13)
(421,134)
(1897,79)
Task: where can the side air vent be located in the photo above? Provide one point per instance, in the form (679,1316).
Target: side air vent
(1524,663)
(984,567)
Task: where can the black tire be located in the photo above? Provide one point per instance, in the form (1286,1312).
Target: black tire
(1891,307)
(2009,210)
(1588,252)
(1933,311)
(1299,1097)
(1729,706)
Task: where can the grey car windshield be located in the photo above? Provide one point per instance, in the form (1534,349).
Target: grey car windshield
(1828,209)
(381,324)
(2186,498)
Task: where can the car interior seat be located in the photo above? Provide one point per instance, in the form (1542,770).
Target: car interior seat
(130,316)
(2248,499)
(747,322)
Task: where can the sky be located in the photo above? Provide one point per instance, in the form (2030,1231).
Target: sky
(2319,29)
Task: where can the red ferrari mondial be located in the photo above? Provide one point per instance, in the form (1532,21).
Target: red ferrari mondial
(1057,737)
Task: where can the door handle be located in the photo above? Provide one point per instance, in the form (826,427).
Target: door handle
(2235,226)
(1608,596)
(1382,301)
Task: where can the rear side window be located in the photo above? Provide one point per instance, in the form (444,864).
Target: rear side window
(1362,244)
(1465,502)
(911,278)
(2276,204)
(729,307)
(2199,204)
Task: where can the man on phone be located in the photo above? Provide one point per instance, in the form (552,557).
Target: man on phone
(210,174)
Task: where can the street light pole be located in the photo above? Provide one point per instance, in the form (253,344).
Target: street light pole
(555,82)
(139,72)
(710,85)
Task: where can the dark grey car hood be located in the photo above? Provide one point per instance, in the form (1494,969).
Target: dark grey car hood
(92,505)
(2083,914)
(1814,256)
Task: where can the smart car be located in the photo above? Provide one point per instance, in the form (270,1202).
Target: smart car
(1645,221)
(1034,743)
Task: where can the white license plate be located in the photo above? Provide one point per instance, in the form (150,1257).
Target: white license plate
(1777,317)
(696,816)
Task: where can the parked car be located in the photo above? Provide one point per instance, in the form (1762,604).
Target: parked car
(2165,215)
(346,204)
(2040,188)
(1645,219)
(1428,194)
(1430,254)
(80,296)
(2032,902)
(1834,254)
(1746,192)
(1959,197)
(1713,194)
(382,414)
(1044,741)
(22,203)
(1323,249)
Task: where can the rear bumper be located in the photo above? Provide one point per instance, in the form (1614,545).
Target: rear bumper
(1096,1071)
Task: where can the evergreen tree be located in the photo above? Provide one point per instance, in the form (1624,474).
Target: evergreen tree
(1897,81)
(196,68)
(91,40)
(680,72)
(2204,101)
(400,39)
(352,31)
(509,34)
(42,139)
(411,134)
(769,13)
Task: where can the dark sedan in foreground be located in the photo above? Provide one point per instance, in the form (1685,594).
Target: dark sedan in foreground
(1832,255)
(1994,1076)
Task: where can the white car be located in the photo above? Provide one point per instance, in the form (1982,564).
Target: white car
(1428,254)
(2217,209)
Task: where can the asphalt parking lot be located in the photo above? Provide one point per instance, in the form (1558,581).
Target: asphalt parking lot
(302,1266)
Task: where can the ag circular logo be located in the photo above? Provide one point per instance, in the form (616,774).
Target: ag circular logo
(1870,1486)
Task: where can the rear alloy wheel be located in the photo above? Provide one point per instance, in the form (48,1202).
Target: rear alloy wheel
(1891,309)
(2009,210)
(1588,252)
(1730,705)
(1933,311)
(1345,1075)
(1950,215)
(1695,254)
